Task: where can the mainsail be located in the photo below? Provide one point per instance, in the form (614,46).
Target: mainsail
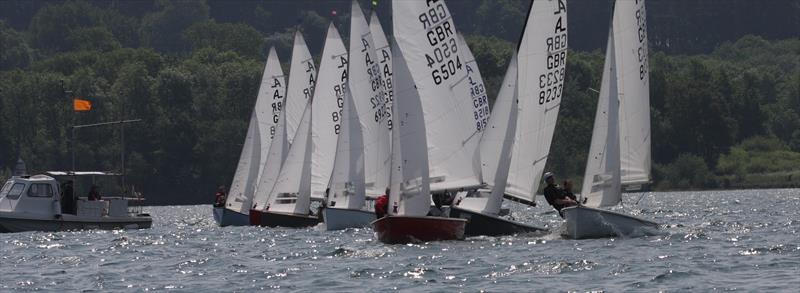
(410,183)
(329,93)
(426,33)
(477,89)
(302,77)
(365,85)
(385,60)
(347,180)
(633,83)
(542,57)
(259,136)
(601,182)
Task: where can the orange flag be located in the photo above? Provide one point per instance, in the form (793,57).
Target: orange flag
(80,105)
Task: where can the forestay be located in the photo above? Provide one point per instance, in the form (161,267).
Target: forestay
(633,81)
(601,182)
(347,180)
(302,78)
(542,56)
(365,82)
(384,53)
(425,31)
(410,182)
(291,193)
(327,104)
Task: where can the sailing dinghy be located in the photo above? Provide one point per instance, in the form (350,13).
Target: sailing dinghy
(361,167)
(434,141)
(625,81)
(515,146)
(289,113)
(308,167)
(256,146)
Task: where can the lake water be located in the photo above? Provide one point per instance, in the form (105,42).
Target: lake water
(721,240)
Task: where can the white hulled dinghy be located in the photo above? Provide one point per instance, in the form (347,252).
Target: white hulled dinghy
(434,140)
(302,78)
(525,116)
(256,146)
(362,163)
(624,80)
(306,173)
(35,203)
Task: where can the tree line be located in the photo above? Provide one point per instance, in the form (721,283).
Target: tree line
(725,113)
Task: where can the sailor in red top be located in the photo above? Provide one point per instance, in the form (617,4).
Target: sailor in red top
(381,205)
(220,197)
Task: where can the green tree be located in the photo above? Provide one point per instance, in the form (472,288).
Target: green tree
(240,38)
(14,50)
(163,30)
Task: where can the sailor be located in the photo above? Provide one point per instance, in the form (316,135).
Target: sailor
(93,193)
(220,197)
(568,190)
(556,196)
(68,198)
(382,204)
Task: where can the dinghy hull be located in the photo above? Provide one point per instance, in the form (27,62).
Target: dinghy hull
(225,217)
(338,219)
(11,223)
(402,229)
(489,225)
(276,219)
(585,223)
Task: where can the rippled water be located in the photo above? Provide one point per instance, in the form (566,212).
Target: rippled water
(722,240)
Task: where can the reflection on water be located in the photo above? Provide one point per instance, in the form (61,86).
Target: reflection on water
(725,240)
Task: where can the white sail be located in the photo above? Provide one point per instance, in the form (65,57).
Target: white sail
(269,105)
(410,184)
(347,180)
(477,90)
(496,144)
(302,78)
(426,33)
(385,60)
(366,87)
(291,193)
(601,182)
(327,104)
(240,195)
(259,136)
(541,57)
(633,81)
(276,155)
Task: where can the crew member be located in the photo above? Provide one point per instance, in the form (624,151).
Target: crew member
(93,193)
(68,198)
(556,196)
(382,204)
(220,197)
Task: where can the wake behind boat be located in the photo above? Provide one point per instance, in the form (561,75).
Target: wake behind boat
(39,203)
